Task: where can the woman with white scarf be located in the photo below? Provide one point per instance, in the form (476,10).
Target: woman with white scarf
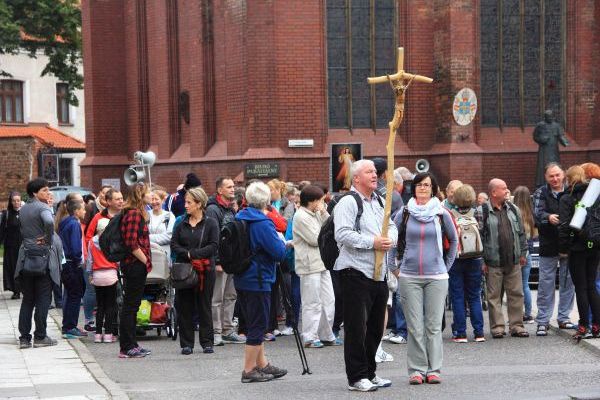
(427,246)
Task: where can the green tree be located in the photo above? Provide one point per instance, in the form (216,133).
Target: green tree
(50,26)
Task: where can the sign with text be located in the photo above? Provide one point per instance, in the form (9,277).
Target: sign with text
(114,182)
(261,170)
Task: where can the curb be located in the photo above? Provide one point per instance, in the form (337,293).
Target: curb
(113,389)
(586,343)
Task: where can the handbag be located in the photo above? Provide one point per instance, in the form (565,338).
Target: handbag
(36,262)
(183,276)
(159,313)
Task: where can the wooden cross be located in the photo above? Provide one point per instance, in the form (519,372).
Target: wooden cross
(400,81)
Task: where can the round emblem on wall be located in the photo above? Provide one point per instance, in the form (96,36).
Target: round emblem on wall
(465,106)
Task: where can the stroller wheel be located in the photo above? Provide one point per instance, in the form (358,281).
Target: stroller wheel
(172,328)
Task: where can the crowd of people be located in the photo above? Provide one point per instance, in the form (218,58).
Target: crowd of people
(441,244)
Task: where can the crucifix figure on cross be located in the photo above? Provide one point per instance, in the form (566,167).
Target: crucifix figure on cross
(400,81)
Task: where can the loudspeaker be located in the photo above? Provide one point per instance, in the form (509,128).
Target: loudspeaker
(422,165)
(133,176)
(147,159)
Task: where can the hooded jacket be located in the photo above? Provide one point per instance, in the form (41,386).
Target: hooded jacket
(71,235)
(268,249)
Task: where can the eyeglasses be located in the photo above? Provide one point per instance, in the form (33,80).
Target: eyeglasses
(423,185)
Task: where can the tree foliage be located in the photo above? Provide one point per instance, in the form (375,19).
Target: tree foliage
(52,27)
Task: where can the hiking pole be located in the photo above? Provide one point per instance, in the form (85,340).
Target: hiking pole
(287,304)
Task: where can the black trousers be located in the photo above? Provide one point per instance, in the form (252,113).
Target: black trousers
(339,300)
(190,302)
(583,266)
(11,254)
(365,302)
(134,277)
(106,312)
(37,294)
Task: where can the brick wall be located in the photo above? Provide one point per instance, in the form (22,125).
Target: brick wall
(18,164)
(270,85)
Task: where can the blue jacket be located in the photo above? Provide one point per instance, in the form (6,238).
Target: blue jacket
(70,233)
(268,249)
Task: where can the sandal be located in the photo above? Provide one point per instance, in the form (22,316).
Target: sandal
(497,335)
(542,330)
(566,325)
(521,334)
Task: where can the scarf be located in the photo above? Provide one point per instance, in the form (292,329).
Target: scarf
(201,266)
(222,201)
(426,213)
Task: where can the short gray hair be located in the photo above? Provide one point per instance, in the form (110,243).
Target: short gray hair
(258,195)
(358,165)
(405,173)
(398,176)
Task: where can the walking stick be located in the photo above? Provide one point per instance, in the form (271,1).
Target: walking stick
(287,304)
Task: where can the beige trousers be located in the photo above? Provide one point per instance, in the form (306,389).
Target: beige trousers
(509,278)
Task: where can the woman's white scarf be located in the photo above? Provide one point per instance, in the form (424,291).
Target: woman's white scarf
(426,213)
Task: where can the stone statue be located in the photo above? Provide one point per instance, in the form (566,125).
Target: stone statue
(547,134)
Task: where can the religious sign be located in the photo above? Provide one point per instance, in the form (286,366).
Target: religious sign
(261,170)
(342,157)
(464,107)
(50,167)
(400,81)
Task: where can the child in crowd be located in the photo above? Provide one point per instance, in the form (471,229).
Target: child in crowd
(103,276)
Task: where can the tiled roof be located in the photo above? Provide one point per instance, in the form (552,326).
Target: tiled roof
(45,134)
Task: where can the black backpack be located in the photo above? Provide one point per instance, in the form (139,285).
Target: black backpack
(111,241)
(327,245)
(234,247)
(590,230)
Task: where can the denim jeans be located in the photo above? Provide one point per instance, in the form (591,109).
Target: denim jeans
(525,271)
(465,281)
(546,285)
(72,278)
(296,298)
(400,328)
(89,299)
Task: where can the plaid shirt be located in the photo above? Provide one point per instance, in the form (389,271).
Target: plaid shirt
(131,223)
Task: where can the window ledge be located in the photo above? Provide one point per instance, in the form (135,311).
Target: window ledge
(65,124)
(13,123)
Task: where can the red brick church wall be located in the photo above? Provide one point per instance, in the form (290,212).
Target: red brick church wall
(256,74)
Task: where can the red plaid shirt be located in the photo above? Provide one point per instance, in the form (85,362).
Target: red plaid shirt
(130,230)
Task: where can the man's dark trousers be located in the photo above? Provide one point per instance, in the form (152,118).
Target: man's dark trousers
(365,302)
(37,293)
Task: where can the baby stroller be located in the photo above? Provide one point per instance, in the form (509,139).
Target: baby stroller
(158,298)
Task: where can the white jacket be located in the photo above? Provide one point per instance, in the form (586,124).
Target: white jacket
(307,226)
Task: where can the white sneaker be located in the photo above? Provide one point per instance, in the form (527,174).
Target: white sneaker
(277,332)
(398,339)
(218,340)
(383,356)
(364,385)
(381,382)
(287,331)
(387,336)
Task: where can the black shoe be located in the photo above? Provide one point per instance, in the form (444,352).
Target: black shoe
(186,351)
(208,350)
(91,327)
(15,296)
(45,342)
(24,343)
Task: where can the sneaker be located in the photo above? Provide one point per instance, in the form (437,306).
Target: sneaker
(90,326)
(364,385)
(461,338)
(383,356)
(45,342)
(256,375)
(273,370)
(108,338)
(566,325)
(528,319)
(24,343)
(542,330)
(335,342)
(269,337)
(582,333)
(277,332)
(145,351)
(434,379)
(287,331)
(381,382)
(313,344)
(218,340)
(479,337)
(98,338)
(415,379)
(595,331)
(235,321)
(186,351)
(208,350)
(133,353)
(397,339)
(73,333)
(387,336)
(83,332)
(233,338)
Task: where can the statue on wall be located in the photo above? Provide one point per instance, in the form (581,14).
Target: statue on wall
(548,134)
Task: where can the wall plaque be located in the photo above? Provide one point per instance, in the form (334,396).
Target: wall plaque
(261,170)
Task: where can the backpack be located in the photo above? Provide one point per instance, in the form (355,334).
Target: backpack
(327,245)
(401,246)
(111,241)
(590,230)
(235,253)
(469,239)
